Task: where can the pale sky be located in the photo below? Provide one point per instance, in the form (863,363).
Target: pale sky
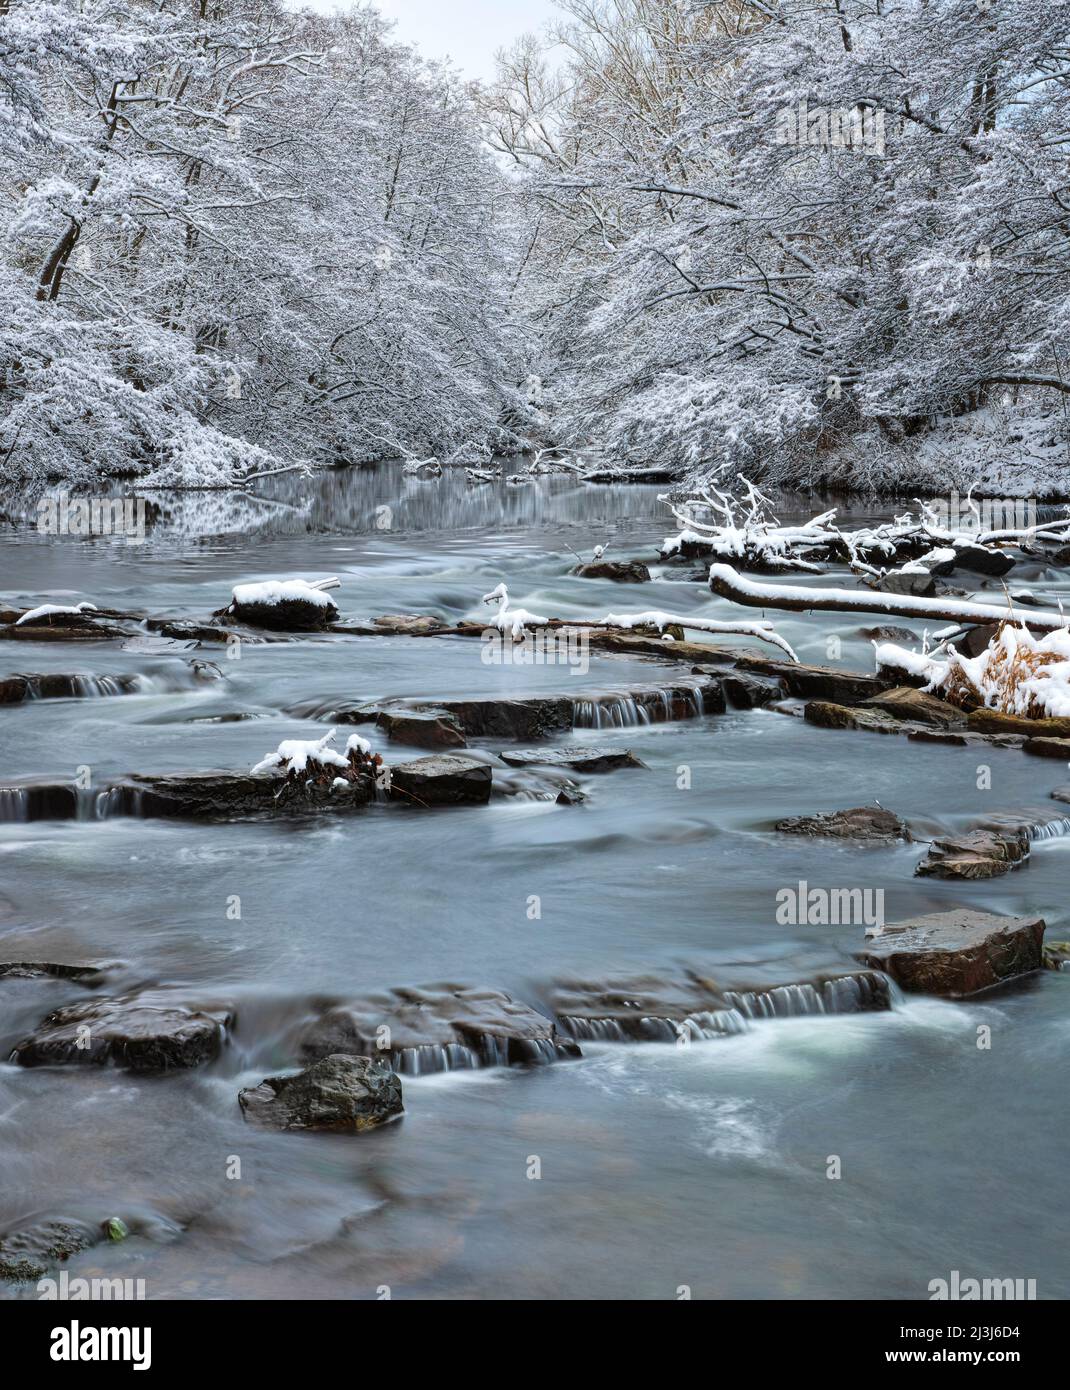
(468,31)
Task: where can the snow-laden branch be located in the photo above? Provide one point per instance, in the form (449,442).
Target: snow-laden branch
(728,583)
(516,620)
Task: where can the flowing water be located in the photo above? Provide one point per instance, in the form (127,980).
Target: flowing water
(662,1168)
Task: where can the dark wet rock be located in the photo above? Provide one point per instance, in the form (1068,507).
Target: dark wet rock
(31,801)
(975,854)
(629,475)
(83,631)
(579,758)
(232,716)
(905,702)
(83,974)
(1049,748)
(183,630)
(963,738)
(519,719)
(887,634)
(144,1033)
(746,691)
(422,728)
(288,615)
(441,780)
(870,720)
(225,795)
(977,639)
(1056,955)
(636,644)
(911,583)
(870,824)
(338,1092)
(956,953)
(570,796)
(28,1251)
(621,571)
(436,1028)
(57,686)
(981,559)
(409,624)
(818,682)
(1062,556)
(693,1006)
(992,721)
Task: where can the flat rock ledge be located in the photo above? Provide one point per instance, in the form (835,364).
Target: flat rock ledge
(694,1006)
(866,824)
(445,779)
(578,758)
(956,953)
(142,1033)
(436,1028)
(336,1093)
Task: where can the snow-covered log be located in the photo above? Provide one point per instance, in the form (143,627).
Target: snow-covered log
(515,620)
(726,582)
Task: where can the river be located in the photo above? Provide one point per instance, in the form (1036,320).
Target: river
(663,1171)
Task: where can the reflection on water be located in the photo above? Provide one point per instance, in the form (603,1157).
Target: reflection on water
(662,1167)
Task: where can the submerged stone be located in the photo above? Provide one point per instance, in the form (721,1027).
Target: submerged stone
(30,1250)
(338,1092)
(578,758)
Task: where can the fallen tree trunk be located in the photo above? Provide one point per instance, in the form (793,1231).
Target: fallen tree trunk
(728,583)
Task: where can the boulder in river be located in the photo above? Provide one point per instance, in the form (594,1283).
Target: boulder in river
(991,721)
(956,953)
(982,559)
(905,702)
(975,854)
(287,605)
(818,682)
(1049,748)
(144,1033)
(748,691)
(915,583)
(620,571)
(339,1092)
(868,824)
(578,758)
(408,624)
(869,719)
(443,779)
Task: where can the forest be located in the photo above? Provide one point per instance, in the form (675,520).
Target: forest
(819,243)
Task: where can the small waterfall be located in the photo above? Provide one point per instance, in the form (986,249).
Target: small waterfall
(492,1050)
(846,995)
(1051,830)
(637,708)
(14,805)
(701,1026)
